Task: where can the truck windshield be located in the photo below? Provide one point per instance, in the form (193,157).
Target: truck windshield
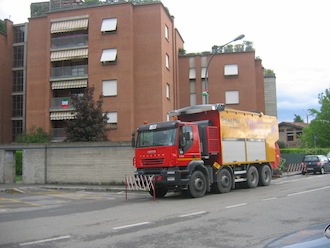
(163,137)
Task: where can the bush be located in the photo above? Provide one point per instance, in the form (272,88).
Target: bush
(34,135)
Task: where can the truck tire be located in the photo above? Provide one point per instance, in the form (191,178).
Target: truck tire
(224,182)
(265,175)
(252,177)
(159,191)
(197,184)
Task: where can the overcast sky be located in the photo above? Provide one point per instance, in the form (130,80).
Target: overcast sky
(290,36)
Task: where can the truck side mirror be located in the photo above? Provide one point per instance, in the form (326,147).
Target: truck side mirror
(133,140)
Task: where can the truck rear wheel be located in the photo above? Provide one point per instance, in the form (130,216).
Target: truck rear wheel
(224,182)
(265,175)
(197,184)
(252,177)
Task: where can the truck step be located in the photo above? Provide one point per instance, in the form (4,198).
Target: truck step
(240,172)
(238,180)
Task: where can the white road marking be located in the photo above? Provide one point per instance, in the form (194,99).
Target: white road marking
(132,225)
(192,214)
(269,199)
(308,191)
(237,205)
(45,240)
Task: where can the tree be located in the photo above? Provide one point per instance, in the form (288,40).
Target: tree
(297,118)
(317,132)
(90,123)
(248,46)
(268,72)
(33,135)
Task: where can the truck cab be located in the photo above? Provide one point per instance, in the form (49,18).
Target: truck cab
(168,150)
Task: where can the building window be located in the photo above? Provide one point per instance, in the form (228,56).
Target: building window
(18,56)
(17,128)
(298,134)
(193,96)
(167,61)
(19,33)
(112,120)
(109,88)
(232,97)
(231,70)
(166,32)
(17,110)
(168,91)
(18,81)
(204,61)
(203,73)
(290,136)
(109,55)
(192,62)
(192,73)
(109,25)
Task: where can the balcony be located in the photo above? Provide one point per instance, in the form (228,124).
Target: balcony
(72,41)
(61,104)
(57,135)
(68,72)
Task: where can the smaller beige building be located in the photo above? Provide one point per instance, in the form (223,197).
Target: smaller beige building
(289,133)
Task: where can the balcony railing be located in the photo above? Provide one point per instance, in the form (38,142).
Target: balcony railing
(41,9)
(57,134)
(61,103)
(69,72)
(70,41)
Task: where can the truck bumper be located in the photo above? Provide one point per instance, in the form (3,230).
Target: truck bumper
(167,177)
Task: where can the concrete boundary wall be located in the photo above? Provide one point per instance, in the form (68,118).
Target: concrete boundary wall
(7,166)
(70,163)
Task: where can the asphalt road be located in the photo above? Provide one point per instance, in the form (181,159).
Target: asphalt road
(241,218)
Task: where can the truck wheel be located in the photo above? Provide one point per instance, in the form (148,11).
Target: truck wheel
(160,192)
(252,177)
(224,182)
(197,184)
(265,175)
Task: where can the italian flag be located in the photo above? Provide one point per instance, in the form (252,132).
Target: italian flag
(65,102)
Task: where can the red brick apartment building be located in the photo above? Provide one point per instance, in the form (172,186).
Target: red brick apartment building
(12,79)
(127,50)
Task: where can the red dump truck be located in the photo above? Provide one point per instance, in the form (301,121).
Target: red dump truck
(207,148)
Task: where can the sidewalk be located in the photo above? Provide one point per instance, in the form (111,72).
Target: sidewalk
(21,188)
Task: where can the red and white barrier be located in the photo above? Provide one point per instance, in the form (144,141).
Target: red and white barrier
(296,168)
(140,183)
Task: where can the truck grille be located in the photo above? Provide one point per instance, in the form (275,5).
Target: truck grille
(152,161)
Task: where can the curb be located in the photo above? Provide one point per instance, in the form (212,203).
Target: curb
(23,189)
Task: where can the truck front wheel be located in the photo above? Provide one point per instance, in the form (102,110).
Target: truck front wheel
(159,192)
(197,184)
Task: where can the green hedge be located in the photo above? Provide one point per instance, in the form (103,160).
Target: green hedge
(307,151)
(18,163)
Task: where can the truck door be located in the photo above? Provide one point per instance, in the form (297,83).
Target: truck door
(189,142)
